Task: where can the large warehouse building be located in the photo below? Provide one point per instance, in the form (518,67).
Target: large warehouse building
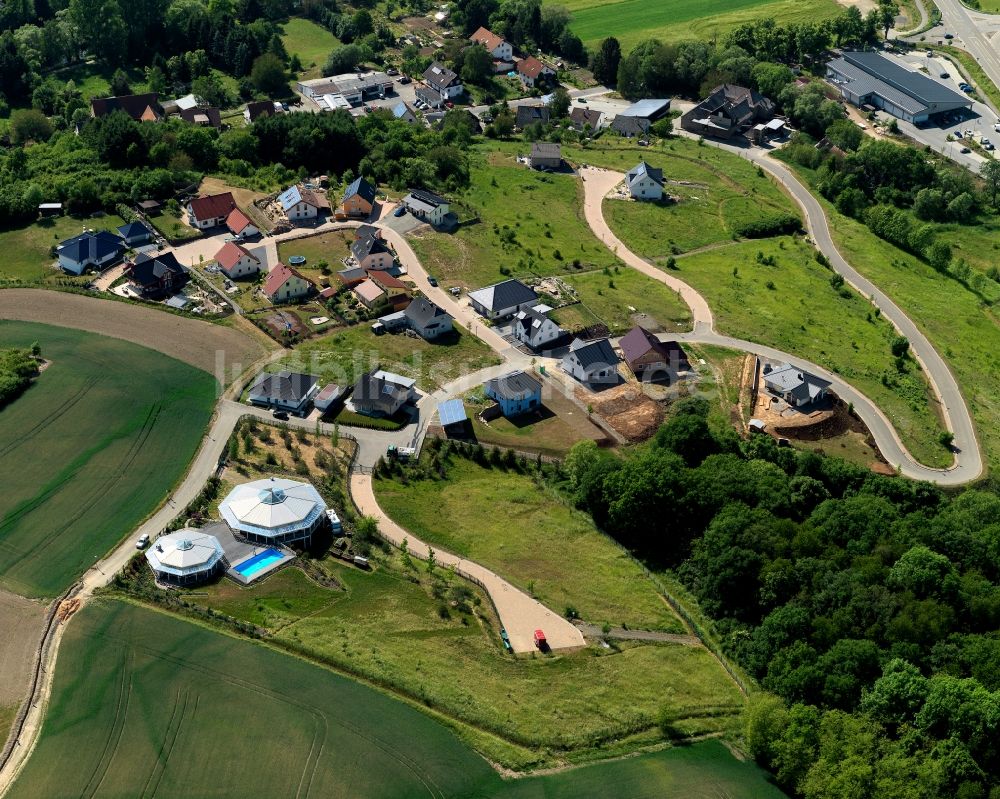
(872,79)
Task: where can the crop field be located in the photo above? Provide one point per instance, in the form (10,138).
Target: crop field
(790,304)
(26,250)
(117,423)
(526,538)
(343,356)
(633,21)
(312,43)
(145,704)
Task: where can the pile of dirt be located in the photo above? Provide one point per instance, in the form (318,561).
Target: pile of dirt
(626,409)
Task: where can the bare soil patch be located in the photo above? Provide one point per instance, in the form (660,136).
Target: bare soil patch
(21,623)
(627,409)
(200,344)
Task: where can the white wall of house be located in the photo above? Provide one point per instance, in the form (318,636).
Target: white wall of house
(377,260)
(646,189)
(598,373)
(71,266)
(438,327)
(301,210)
(503,51)
(244,267)
(290,289)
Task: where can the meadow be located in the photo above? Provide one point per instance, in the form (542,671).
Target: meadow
(118,425)
(146,704)
(617,296)
(633,21)
(27,257)
(312,43)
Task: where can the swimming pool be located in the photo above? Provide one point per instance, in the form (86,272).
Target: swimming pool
(259,562)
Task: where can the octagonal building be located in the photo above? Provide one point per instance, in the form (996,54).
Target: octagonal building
(185,557)
(274,511)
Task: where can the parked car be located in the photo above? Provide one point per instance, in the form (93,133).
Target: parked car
(965,151)
(944,76)
(392,71)
(540,641)
(282,415)
(405,79)
(432,280)
(143,541)
(581,99)
(449,104)
(401,211)
(949,36)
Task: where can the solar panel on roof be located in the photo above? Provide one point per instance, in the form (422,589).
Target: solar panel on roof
(452,412)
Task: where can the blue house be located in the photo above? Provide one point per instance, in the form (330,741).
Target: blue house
(515,392)
(89,249)
(135,233)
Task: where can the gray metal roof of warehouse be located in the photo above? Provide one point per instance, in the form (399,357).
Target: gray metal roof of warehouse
(911,90)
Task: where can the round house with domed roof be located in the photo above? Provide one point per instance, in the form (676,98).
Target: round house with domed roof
(274,511)
(185,557)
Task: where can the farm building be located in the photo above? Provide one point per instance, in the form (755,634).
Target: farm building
(795,386)
(873,79)
(284,391)
(236,261)
(502,299)
(185,557)
(647,356)
(274,511)
(545,155)
(88,249)
(592,361)
(427,206)
(515,392)
(644,182)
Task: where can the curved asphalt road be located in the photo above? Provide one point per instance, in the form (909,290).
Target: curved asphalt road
(967,465)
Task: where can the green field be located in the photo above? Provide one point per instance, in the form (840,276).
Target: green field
(89,450)
(633,21)
(310,42)
(612,298)
(26,256)
(528,536)
(144,704)
(341,357)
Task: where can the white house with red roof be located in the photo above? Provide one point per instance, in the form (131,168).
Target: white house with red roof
(533,72)
(237,261)
(285,284)
(497,46)
(240,225)
(210,211)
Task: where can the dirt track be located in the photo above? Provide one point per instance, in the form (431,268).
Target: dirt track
(21,622)
(201,344)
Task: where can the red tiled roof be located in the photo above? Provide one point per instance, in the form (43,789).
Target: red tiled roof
(328,292)
(213,206)
(531,67)
(386,281)
(277,278)
(487,39)
(230,253)
(237,221)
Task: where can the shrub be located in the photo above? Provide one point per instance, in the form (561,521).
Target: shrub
(768,226)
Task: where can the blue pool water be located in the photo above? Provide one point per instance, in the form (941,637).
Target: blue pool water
(258,562)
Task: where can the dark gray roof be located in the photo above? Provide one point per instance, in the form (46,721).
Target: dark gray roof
(368,244)
(581,117)
(428,197)
(644,169)
(630,126)
(90,246)
(513,386)
(374,391)
(921,88)
(802,385)
(150,270)
(360,187)
(639,341)
(439,76)
(286,387)
(421,311)
(594,353)
(529,317)
(527,114)
(504,295)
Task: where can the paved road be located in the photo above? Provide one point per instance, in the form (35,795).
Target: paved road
(976,32)
(967,464)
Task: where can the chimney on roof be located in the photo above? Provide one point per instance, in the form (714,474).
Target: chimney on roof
(767,368)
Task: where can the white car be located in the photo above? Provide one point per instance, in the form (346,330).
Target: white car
(143,541)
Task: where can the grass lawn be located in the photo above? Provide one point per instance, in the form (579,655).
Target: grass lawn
(205,714)
(527,536)
(25,250)
(963,326)
(529,222)
(312,43)
(792,306)
(633,21)
(341,357)
(117,424)
(172,227)
(94,80)
(616,298)
(716,190)
(330,247)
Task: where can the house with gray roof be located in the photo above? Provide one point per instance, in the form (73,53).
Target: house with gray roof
(728,111)
(650,109)
(89,249)
(502,299)
(291,392)
(545,155)
(382,393)
(795,386)
(134,233)
(582,118)
(630,127)
(592,361)
(370,251)
(535,329)
(427,319)
(515,392)
(427,206)
(443,81)
(529,114)
(872,79)
(644,182)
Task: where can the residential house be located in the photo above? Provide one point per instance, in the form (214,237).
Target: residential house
(206,117)
(328,396)
(453,417)
(239,224)
(403,111)
(645,182)
(649,357)
(140,107)
(630,127)
(370,293)
(535,329)
(211,211)
(502,299)
(382,393)
(429,97)
(795,386)
(291,392)
(135,234)
(370,250)
(427,206)
(585,119)
(358,200)
(545,155)
(427,319)
(156,276)
(529,114)
(515,393)
(236,261)
(592,361)
(285,284)
(397,294)
(300,203)
(351,277)
(496,46)
(257,109)
(89,249)
(533,72)
(728,111)
(443,82)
